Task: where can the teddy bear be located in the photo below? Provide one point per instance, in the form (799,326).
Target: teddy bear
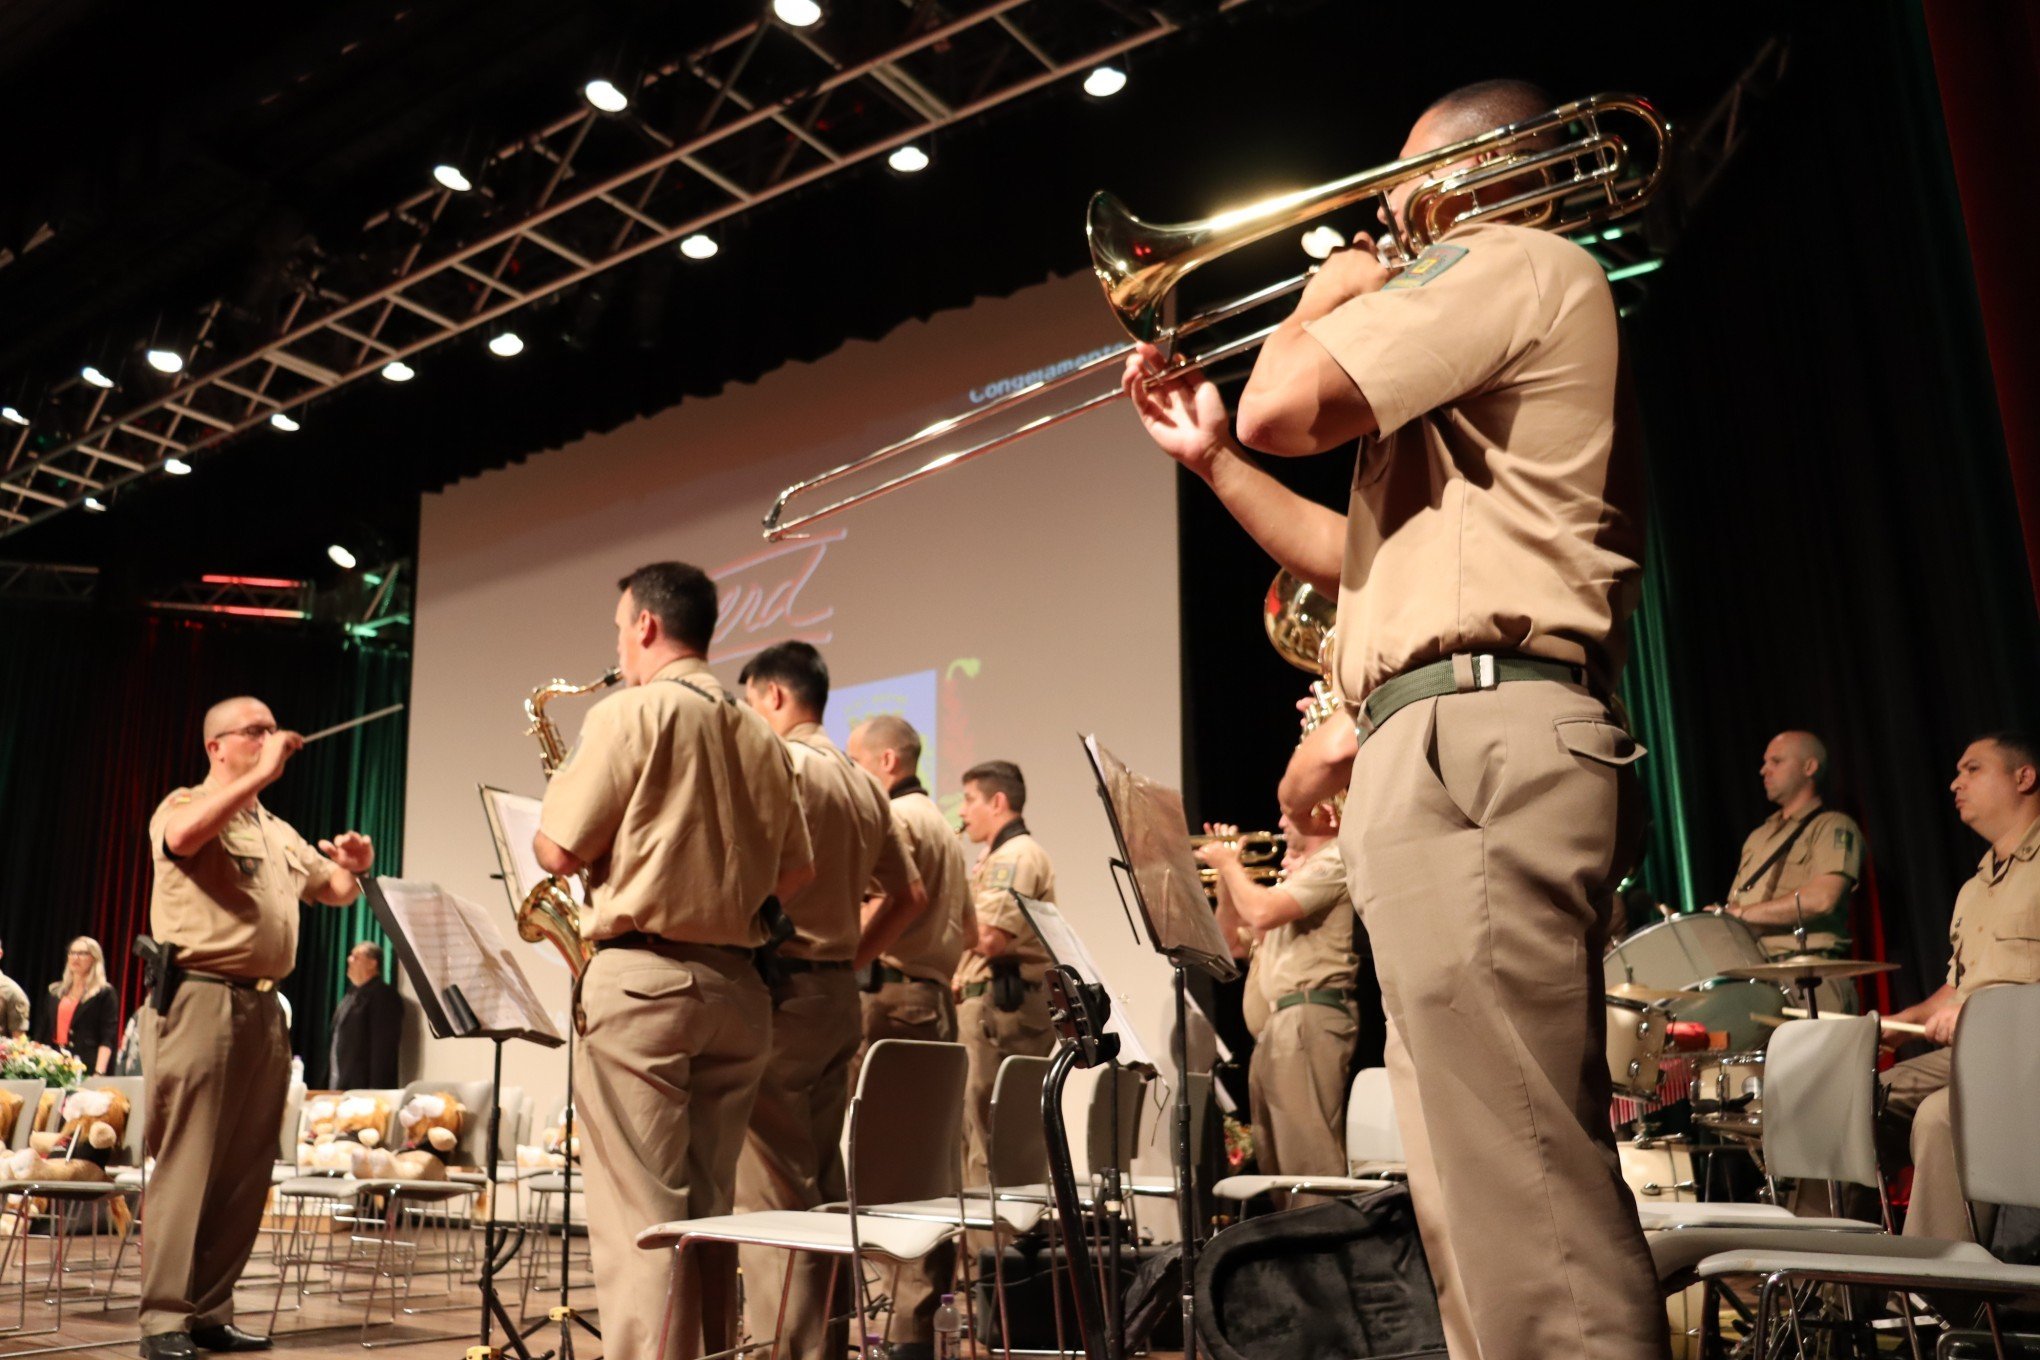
(432,1123)
(10,1114)
(336,1128)
(94,1122)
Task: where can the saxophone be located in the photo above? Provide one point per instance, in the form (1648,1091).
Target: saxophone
(549,912)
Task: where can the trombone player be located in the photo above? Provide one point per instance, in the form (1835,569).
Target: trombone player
(1486,568)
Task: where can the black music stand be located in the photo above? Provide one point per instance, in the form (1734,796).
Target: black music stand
(470,987)
(1155,861)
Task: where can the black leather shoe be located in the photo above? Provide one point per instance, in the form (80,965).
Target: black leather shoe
(227,1337)
(168,1346)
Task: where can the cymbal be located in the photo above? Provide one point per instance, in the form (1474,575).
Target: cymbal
(1817,942)
(1636,991)
(1809,965)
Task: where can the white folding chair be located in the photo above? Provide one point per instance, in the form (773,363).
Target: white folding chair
(1374,1151)
(906,1144)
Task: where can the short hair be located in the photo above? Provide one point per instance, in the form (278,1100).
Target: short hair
(217,714)
(2020,748)
(681,597)
(795,666)
(369,949)
(999,776)
(1486,105)
(1811,747)
(891,732)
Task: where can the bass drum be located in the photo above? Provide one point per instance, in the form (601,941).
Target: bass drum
(1735,1007)
(1682,951)
(1660,1171)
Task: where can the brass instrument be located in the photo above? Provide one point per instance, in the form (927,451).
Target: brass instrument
(1581,163)
(1260,856)
(549,911)
(1302,623)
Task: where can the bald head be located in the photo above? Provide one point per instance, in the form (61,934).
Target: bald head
(1795,763)
(888,746)
(231,715)
(1482,107)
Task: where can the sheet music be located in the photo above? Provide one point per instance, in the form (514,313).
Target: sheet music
(513,823)
(457,943)
(1066,946)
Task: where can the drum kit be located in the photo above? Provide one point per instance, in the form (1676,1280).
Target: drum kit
(1691,1002)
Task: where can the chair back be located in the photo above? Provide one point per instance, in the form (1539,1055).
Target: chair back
(291,1130)
(474,1096)
(1371,1133)
(1820,1100)
(906,1122)
(30,1093)
(1995,1101)
(1018,1153)
(133,1143)
(511,1131)
(1112,1122)
(392,1133)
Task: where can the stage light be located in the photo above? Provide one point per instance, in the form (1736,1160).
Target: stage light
(165,360)
(94,376)
(506,345)
(341,557)
(284,423)
(699,247)
(1320,241)
(908,160)
(798,13)
(1104,82)
(12,416)
(450,177)
(396,370)
(606,96)
(95,505)
(176,467)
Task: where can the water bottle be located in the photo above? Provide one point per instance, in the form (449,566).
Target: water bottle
(948,1330)
(874,1346)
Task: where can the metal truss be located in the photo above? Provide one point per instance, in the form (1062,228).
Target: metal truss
(759,113)
(248,597)
(47,583)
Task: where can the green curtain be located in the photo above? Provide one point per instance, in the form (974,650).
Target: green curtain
(1668,872)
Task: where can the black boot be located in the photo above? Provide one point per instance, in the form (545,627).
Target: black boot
(227,1337)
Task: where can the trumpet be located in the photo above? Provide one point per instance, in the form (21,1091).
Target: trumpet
(548,912)
(1610,155)
(1260,856)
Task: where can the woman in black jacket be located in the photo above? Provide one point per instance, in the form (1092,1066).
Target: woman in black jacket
(80,1012)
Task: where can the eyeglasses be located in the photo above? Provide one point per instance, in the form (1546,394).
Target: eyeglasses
(253,732)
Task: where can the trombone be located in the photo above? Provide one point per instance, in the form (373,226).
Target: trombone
(1586,162)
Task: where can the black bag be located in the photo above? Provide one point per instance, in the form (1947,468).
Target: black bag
(1345,1279)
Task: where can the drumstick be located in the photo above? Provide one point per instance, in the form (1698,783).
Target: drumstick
(1895,1026)
(353,722)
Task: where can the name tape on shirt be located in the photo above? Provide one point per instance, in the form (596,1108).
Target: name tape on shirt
(1433,261)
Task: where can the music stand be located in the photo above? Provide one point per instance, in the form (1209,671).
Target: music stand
(470,987)
(1156,862)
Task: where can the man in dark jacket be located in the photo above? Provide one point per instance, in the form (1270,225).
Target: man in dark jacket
(368,1026)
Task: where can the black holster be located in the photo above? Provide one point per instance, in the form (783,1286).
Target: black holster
(778,930)
(160,973)
(1009,989)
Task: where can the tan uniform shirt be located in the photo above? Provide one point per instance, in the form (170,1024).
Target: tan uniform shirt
(1996,928)
(13,1007)
(1315,951)
(1015,863)
(1496,508)
(682,803)
(231,907)
(932,945)
(1831,844)
(850,822)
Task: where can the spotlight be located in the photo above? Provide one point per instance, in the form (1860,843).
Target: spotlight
(1320,241)
(450,177)
(1104,82)
(176,467)
(165,360)
(12,416)
(506,345)
(94,376)
(908,160)
(699,247)
(396,370)
(284,423)
(606,96)
(95,505)
(798,13)
(341,557)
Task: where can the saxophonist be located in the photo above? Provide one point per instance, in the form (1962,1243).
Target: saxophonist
(680,804)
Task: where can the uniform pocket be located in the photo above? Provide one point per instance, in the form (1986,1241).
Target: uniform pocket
(1598,740)
(1466,748)
(656,984)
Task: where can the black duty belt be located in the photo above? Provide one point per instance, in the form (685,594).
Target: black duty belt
(1461,674)
(887,973)
(786,965)
(972,989)
(1321,996)
(221,979)
(659,944)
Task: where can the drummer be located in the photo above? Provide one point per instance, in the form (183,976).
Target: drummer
(1800,865)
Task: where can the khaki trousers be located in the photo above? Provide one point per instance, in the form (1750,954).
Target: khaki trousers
(1296,1084)
(1484,835)
(672,1045)
(793,1159)
(991,1036)
(912,1010)
(218,1071)
(1915,1123)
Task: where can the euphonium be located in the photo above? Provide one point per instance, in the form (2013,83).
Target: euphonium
(549,911)
(1302,623)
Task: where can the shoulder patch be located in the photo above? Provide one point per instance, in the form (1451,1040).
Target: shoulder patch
(1845,839)
(1429,264)
(1000,875)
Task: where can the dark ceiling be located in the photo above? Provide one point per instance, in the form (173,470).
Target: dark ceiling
(182,151)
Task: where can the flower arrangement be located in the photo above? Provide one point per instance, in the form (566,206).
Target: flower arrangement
(27,1060)
(1239,1143)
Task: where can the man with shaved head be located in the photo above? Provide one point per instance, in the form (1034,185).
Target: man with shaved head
(1486,567)
(229,875)
(1806,858)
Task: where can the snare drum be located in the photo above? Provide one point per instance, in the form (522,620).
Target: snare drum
(1636,1040)
(1728,1093)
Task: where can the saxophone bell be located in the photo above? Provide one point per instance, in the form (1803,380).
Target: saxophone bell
(549,912)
